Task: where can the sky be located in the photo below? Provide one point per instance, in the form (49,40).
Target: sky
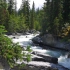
(38,3)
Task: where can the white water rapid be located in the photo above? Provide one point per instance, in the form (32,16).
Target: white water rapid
(25,40)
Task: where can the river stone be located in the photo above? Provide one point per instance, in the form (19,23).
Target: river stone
(4,64)
(48,39)
(45,58)
(69,55)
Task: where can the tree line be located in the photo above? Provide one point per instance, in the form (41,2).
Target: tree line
(56,17)
(18,21)
(53,17)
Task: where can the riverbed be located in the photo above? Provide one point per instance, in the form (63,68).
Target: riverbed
(25,40)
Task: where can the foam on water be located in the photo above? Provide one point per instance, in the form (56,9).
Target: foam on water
(64,61)
(38,49)
(55,53)
(23,40)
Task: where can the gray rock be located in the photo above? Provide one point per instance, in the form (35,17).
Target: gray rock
(49,40)
(69,55)
(45,58)
(4,63)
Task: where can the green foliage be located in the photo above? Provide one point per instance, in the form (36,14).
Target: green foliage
(28,55)
(25,11)
(16,24)
(10,51)
(52,17)
(21,24)
(11,6)
(3,13)
(20,67)
(2,30)
(28,49)
(56,25)
(13,24)
(66,11)
(37,25)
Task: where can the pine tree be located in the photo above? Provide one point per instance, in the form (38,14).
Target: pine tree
(32,16)
(11,6)
(52,19)
(46,16)
(27,15)
(57,13)
(25,10)
(66,11)
(15,9)
(3,12)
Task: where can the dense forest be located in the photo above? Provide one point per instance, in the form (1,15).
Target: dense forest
(53,17)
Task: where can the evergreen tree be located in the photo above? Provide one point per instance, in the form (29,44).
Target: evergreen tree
(15,9)
(32,16)
(38,19)
(46,16)
(11,6)
(53,16)
(66,11)
(3,12)
(27,15)
(25,11)
(57,13)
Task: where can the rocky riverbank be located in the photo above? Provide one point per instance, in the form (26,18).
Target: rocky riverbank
(37,63)
(49,40)
(40,61)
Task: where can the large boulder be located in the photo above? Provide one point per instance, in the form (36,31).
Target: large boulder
(37,40)
(49,40)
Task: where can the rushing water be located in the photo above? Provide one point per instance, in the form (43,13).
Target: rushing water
(25,40)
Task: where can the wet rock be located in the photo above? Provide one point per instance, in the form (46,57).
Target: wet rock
(48,58)
(49,40)
(4,64)
(37,40)
(38,59)
(14,37)
(69,55)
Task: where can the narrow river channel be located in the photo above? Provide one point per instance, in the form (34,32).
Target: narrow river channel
(25,40)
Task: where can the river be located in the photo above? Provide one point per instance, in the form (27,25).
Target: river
(25,40)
